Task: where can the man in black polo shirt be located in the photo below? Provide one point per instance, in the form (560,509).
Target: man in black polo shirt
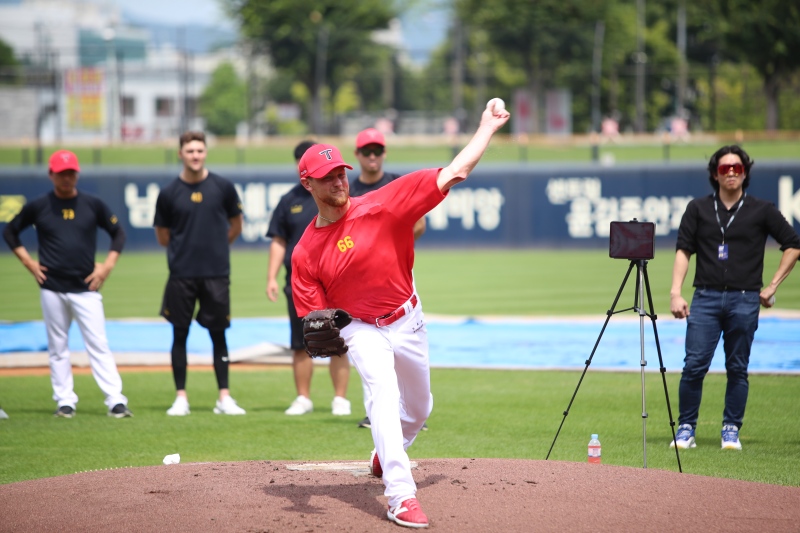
(727,231)
(292,215)
(66,224)
(198,216)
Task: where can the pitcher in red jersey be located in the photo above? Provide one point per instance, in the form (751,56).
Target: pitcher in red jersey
(357,255)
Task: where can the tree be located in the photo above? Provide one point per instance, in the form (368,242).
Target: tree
(537,36)
(766,36)
(223,103)
(315,40)
(7,63)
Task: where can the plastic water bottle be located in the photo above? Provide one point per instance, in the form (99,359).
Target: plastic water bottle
(594,449)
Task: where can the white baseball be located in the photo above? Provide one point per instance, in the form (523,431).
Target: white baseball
(496,105)
(772,300)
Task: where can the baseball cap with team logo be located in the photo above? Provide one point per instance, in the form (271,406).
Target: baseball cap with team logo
(63,160)
(319,160)
(370,136)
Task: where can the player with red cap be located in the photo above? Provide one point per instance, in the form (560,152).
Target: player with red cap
(357,255)
(66,224)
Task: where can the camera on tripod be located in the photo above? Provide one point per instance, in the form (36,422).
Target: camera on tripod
(634,240)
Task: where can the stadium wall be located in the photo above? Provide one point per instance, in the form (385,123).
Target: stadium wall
(498,206)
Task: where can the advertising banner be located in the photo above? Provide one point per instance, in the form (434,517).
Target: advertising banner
(84,96)
(498,206)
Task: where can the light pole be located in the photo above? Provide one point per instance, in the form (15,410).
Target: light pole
(113,90)
(641,60)
(680,94)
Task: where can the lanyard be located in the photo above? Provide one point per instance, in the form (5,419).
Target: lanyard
(716,212)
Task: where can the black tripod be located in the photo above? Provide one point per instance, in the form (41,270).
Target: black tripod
(642,283)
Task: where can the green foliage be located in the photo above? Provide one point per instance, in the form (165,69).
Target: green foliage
(346,98)
(766,37)
(7,58)
(739,99)
(296,34)
(477,414)
(223,103)
(8,62)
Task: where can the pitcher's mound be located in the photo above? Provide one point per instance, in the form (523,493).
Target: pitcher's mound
(456,494)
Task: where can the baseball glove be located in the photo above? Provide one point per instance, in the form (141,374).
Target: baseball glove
(321,332)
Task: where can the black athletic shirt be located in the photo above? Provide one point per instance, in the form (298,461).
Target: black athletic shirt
(291,217)
(197,215)
(67,234)
(699,233)
(358,188)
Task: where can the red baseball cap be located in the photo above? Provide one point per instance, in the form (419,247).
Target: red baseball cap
(319,160)
(64,160)
(370,136)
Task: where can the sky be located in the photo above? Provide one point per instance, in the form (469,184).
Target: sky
(177,12)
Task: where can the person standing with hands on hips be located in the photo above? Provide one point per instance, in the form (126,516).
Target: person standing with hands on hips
(355,259)
(371,154)
(66,222)
(727,231)
(198,216)
(294,212)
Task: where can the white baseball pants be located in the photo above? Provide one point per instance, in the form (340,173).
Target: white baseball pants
(394,367)
(58,310)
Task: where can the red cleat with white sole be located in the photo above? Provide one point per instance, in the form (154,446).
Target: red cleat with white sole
(408,514)
(375,465)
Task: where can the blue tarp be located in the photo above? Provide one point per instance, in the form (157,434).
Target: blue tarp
(522,343)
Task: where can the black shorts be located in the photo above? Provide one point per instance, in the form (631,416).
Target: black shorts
(295,322)
(181,295)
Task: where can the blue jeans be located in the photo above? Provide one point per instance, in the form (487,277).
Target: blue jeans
(734,315)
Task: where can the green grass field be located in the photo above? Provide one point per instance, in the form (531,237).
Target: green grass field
(453,282)
(502,149)
(477,413)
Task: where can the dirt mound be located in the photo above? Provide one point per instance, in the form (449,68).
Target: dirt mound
(456,494)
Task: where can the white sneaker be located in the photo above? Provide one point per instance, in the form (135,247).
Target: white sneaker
(227,406)
(340,406)
(180,407)
(300,406)
(3,415)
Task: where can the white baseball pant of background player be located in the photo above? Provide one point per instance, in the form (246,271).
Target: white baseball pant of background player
(58,310)
(394,366)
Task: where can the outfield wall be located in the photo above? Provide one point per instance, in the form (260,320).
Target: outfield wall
(499,205)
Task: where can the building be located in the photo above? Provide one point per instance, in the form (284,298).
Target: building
(89,77)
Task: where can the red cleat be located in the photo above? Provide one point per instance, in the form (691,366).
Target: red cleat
(375,465)
(408,514)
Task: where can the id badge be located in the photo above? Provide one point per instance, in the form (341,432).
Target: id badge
(722,252)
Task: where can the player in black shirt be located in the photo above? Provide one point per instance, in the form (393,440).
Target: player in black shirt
(198,216)
(66,227)
(727,231)
(292,215)
(371,154)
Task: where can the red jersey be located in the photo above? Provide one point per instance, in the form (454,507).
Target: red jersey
(362,263)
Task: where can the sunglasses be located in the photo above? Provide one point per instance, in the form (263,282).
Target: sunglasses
(377,151)
(723,170)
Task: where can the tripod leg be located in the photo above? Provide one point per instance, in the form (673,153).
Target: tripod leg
(640,269)
(662,369)
(609,313)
